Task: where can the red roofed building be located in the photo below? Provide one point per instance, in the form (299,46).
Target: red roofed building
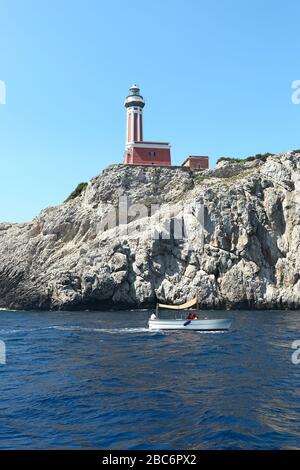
(138,151)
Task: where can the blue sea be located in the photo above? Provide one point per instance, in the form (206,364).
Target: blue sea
(86,380)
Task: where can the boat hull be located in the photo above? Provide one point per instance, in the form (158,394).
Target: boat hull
(200,325)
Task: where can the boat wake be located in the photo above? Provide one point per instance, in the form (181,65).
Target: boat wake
(101,330)
(21,330)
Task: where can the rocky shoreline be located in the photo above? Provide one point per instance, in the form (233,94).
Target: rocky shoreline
(248,256)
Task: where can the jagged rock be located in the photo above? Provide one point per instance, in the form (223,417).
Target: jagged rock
(247,256)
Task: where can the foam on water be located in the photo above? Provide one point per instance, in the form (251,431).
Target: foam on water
(100,330)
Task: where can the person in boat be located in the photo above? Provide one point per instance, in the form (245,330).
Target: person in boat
(192,316)
(153,316)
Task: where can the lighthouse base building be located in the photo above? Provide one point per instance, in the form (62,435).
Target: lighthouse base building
(148,153)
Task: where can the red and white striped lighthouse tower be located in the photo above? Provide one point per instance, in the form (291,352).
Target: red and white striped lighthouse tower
(138,151)
(134,104)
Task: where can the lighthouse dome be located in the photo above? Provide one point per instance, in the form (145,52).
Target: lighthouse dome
(134,99)
(134,89)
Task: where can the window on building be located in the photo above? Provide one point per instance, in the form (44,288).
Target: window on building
(151,154)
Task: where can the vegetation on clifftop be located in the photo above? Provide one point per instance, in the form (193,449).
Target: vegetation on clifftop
(200,179)
(77,191)
(259,156)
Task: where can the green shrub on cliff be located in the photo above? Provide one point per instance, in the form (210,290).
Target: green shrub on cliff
(77,191)
(258,156)
(200,179)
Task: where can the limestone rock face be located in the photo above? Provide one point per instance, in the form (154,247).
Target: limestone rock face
(245,253)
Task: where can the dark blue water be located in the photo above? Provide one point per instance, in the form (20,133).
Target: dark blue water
(101,380)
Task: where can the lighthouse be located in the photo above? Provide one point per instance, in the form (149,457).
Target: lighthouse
(138,151)
(134,104)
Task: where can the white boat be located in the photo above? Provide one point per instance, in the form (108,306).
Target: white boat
(190,322)
(202,325)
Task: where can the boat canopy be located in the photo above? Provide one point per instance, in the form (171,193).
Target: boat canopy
(188,304)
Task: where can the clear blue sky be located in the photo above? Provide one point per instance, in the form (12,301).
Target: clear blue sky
(216,76)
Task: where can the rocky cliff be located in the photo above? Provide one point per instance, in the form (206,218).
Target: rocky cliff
(247,256)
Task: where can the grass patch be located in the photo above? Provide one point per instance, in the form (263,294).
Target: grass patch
(77,191)
(200,179)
